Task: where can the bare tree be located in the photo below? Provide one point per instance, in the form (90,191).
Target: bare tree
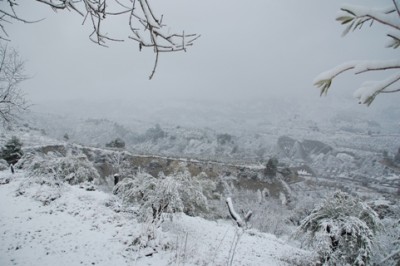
(147,29)
(355,17)
(12,73)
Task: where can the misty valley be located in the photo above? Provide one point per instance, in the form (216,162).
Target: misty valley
(155,184)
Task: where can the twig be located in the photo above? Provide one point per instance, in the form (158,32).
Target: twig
(397,7)
(98,11)
(219,246)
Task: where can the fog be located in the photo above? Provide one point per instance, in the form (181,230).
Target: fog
(247,51)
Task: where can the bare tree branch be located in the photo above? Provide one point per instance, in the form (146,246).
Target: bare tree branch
(395,41)
(141,20)
(355,17)
(366,66)
(392,91)
(368,92)
(397,7)
(12,101)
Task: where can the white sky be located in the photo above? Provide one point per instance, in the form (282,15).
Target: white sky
(247,50)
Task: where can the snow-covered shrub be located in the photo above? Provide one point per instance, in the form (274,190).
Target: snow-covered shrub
(47,194)
(272,217)
(87,185)
(388,252)
(341,230)
(42,188)
(27,160)
(166,194)
(160,196)
(133,189)
(301,206)
(73,169)
(12,151)
(4,180)
(208,186)
(3,165)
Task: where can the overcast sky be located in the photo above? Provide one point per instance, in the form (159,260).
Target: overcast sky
(248,49)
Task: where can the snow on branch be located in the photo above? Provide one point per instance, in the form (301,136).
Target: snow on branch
(355,17)
(324,80)
(370,89)
(235,216)
(394,40)
(365,66)
(159,40)
(148,30)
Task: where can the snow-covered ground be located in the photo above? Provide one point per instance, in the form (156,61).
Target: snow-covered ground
(80,227)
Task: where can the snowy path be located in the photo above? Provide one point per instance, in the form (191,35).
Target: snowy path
(80,228)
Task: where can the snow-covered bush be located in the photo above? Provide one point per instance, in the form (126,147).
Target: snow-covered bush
(301,207)
(73,169)
(48,172)
(160,196)
(341,230)
(133,189)
(166,194)
(271,217)
(42,188)
(3,165)
(388,252)
(12,150)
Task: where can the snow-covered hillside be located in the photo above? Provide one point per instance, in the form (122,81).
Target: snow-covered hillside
(61,195)
(59,206)
(83,227)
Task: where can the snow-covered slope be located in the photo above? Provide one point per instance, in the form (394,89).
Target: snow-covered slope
(80,227)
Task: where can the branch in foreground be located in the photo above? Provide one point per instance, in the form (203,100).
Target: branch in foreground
(12,101)
(394,40)
(235,216)
(355,17)
(369,90)
(147,29)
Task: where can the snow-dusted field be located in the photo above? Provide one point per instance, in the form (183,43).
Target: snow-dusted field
(91,228)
